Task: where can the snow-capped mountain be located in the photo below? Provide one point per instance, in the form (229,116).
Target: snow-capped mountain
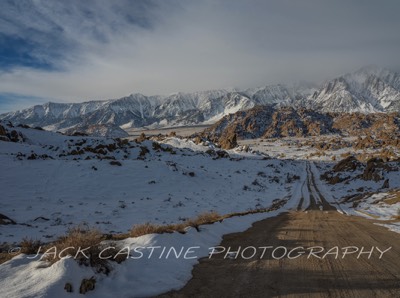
(370,89)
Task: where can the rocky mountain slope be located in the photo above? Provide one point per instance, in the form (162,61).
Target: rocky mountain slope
(370,89)
(274,122)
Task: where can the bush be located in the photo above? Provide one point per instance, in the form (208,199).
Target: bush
(80,241)
(148,228)
(204,218)
(143,151)
(30,246)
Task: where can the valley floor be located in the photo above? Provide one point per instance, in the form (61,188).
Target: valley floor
(50,183)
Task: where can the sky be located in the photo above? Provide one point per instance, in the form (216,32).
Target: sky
(73,51)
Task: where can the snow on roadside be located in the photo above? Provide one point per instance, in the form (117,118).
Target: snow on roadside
(143,276)
(394,227)
(375,207)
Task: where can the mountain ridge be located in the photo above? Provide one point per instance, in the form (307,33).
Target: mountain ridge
(367,90)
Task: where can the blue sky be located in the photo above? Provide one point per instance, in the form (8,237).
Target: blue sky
(71,51)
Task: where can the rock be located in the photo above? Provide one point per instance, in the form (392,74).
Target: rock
(386,184)
(348,164)
(115,163)
(141,138)
(13,136)
(3,131)
(32,156)
(4,220)
(97,130)
(372,170)
(334,180)
(87,285)
(68,287)
(143,151)
(222,154)
(228,141)
(197,140)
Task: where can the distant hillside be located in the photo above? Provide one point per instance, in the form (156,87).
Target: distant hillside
(276,122)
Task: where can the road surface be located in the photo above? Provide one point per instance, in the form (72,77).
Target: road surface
(317,226)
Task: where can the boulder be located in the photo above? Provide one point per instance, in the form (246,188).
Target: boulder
(373,169)
(5,220)
(228,141)
(348,164)
(3,131)
(87,285)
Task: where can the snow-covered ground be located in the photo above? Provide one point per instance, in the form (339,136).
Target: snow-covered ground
(50,195)
(367,198)
(372,201)
(304,148)
(50,183)
(140,277)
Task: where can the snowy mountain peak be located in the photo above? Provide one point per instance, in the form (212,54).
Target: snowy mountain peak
(369,89)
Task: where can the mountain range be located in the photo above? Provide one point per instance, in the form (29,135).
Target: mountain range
(369,89)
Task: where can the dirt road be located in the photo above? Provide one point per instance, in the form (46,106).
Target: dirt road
(328,275)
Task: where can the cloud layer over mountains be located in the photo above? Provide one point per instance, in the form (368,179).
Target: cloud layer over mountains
(85,50)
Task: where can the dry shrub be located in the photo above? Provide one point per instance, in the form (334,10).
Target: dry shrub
(84,245)
(176,228)
(148,228)
(30,246)
(397,217)
(203,219)
(144,229)
(5,256)
(393,198)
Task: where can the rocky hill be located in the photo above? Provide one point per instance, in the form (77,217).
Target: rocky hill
(274,122)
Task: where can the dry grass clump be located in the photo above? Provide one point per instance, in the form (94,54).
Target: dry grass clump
(393,198)
(397,217)
(5,256)
(207,218)
(148,228)
(84,245)
(144,229)
(204,219)
(26,246)
(30,246)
